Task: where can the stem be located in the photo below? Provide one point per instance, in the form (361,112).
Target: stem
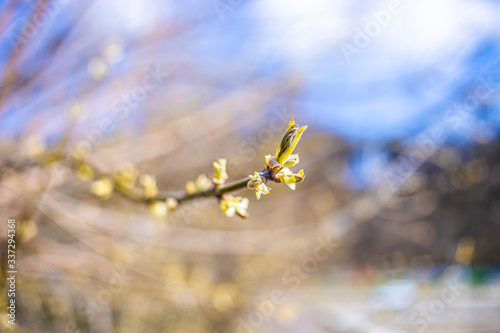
(232,186)
(211,192)
(182,196)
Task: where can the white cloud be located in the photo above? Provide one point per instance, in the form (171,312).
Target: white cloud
(423,32)
(301,28)
(427,29)
(129,17)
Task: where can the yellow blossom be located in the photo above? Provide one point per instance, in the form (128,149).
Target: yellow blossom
(220,173)
(84,172)
(286,176)
(103,188)
(172,203)
(149,186)
(257,182)
(201,183)
(234,205)
(158,209)
(126,175)
(292,161)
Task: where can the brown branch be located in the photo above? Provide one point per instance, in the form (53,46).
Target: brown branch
(211,192)
(179,196)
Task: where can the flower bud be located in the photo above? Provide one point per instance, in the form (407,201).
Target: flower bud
(220,173)
(34,147)
(158,209)
(126,175)
(289,141)
(286,176)
(201,183)
(234,205)
(172,203)
(292,161)
(272,164)
(149,186)
(257,182)
(84,172)
(102,188)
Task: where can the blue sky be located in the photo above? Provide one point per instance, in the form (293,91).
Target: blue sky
(419,61)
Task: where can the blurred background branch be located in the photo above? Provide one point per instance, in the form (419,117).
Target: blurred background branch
(402,196)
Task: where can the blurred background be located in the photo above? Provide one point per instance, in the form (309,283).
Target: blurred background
(396,227)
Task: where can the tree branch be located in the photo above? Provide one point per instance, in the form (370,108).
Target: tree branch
(211,192)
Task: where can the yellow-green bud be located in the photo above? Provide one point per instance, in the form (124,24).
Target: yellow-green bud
(286,176)
(289,141)
(103,188)
(149,186)
(234,205)
(158,209)
(220,173)
(84,172)
(201,183)
(126,175)
(257,182)
(292,161)
(172,203)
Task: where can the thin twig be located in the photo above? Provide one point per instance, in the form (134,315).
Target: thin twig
(211,192)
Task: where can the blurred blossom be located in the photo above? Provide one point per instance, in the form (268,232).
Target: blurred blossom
(113,52)
(28,230)
(220,173)
(465,250)
(201,183)
(84,172)
(34,147)
(97,68)
(288,313)
(400,206)
(223,297)
(148,183)
(158,209)
(103,188)
(126,175)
